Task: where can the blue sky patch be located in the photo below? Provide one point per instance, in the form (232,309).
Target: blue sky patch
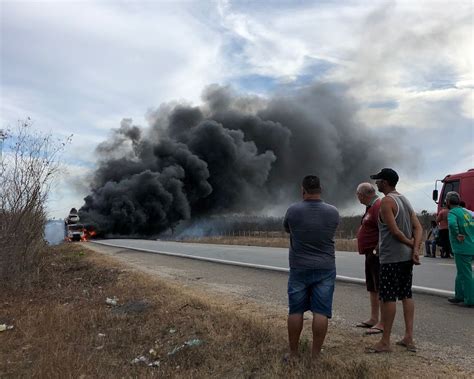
(255,83)
(389,104)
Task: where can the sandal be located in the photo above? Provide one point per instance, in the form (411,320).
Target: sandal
(364,324)
(374,350)
(410,347)
(372,331)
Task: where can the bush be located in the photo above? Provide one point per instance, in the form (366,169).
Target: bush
(29,165)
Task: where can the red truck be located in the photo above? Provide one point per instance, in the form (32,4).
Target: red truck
(462,183)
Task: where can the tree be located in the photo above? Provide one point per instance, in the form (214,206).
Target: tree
(29,165)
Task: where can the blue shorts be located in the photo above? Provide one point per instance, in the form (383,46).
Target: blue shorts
(311,289)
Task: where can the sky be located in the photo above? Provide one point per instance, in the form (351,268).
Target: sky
(81,67)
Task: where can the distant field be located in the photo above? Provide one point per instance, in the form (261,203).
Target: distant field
(342,244)
(263,240)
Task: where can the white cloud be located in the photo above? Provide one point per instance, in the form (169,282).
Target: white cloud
(80,67)
(385,51)
(266,50)
(106,56)
(414,55)
(69,190)
(431,109)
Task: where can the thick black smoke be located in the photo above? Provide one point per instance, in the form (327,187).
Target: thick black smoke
(233,154)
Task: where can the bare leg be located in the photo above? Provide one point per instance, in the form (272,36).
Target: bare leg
(295,325)
(374,306)
(374,310)
(320,328)
(409,316)
(389,309)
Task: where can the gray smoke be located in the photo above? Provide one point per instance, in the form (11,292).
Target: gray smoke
(233,154)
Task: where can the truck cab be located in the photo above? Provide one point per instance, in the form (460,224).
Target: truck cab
(462,183)
(75,232)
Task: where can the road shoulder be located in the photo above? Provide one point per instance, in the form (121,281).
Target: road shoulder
(268,289)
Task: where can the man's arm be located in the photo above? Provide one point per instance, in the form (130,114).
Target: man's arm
(286,225)
(417,235)
(387,213)
(439,217)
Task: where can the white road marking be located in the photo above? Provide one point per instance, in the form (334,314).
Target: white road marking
(420,289)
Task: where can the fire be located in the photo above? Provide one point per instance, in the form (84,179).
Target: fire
(75,231)
(88,234)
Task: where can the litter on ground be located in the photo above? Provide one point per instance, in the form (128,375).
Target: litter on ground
(4,327)
(111,301)
(193,342)
(140,359)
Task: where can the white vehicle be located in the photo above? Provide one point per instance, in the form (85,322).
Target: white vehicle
(72,219)
(75,232)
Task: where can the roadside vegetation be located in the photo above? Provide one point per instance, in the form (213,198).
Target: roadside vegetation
(262,240)
(268,231)
(29,163)
(89,316)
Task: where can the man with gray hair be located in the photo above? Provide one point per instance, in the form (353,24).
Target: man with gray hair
(461,235)
(367,242)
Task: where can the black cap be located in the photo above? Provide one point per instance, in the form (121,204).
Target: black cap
(387,174)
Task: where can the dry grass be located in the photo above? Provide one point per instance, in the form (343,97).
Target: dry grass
(57,330)
(341,244)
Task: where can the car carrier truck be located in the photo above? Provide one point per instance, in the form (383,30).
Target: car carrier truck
(74,230)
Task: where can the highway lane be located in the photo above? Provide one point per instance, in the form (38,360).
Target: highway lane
(433,273)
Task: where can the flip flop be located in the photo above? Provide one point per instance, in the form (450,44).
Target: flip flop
(374,350)
(364,325)
(372,331)
(410,347)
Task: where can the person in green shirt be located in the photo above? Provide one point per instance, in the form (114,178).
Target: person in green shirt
(461,236)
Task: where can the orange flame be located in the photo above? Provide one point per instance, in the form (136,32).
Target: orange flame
(88,234)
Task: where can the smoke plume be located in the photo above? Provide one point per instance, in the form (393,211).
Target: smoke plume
(232,154)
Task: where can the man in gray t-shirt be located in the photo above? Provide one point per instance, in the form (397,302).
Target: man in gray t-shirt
(312,225)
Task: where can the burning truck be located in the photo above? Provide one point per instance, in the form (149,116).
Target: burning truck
(74,230)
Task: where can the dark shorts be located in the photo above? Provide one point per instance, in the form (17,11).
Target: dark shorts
(395,281)
(311,289)
(372,272)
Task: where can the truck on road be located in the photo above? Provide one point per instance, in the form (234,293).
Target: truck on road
(74,230)
(462,183)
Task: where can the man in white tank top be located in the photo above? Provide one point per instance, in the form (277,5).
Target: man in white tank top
(400,235)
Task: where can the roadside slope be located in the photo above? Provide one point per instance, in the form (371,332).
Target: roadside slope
(443,331)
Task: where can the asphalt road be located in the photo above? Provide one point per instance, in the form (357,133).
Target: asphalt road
(433,273)
(442,330)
